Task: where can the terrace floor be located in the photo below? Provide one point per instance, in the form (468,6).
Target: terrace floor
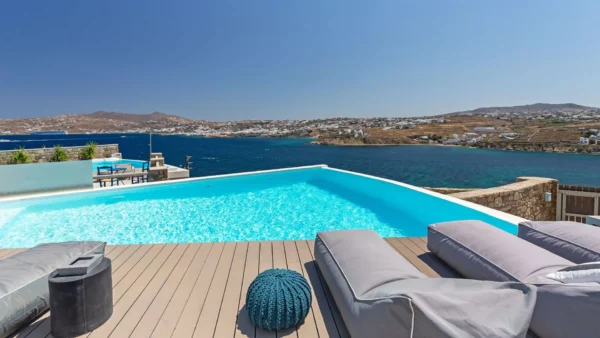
(198,290)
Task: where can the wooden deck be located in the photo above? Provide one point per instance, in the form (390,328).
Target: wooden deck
(199,290)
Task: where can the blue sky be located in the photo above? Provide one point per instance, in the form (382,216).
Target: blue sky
(226,60)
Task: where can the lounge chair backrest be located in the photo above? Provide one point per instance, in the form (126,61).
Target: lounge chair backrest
(576,242)
(481,251)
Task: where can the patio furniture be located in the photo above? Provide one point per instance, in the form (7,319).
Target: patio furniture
(124,168)
(146,166)
(278,299)
(142,178)
(80,296)
(380,294)
(106,171)
(24,293)
(481,251)
(577,242)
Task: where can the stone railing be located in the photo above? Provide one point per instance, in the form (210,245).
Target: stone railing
(44,154)
(526,198)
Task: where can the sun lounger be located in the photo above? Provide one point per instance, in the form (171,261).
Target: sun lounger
(480,251)
(24,291)
(577,242)
(380,294)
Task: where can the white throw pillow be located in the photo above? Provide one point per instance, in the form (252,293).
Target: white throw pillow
(581,273)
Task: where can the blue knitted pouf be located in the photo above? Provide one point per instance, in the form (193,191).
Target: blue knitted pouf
(278,299)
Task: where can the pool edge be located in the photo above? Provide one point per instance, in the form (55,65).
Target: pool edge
(486,210)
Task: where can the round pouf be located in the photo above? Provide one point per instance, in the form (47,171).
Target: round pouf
(278,299)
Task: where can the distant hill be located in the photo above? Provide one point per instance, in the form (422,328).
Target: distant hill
(530,108)
(156,116)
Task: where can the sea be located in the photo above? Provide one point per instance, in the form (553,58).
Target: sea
(422,165)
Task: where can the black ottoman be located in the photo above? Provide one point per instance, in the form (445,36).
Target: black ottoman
(80,297)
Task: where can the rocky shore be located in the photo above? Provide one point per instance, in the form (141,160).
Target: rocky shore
(525,147)
(545,148)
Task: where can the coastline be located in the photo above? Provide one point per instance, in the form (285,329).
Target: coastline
(522,150)
(314,140)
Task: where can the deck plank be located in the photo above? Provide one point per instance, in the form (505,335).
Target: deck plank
(207,322)
(337,316)
(187,322)
(411,246)
(419,243)
(114,253)
(429,259)
(124,256)
(137,310)
(397,244)
(244,327)
(154,311)
(123,303)
(127,261)
(320,308)
(280,262)
(120,287)
(5,252)
(309,327)
(265,263)
(168,321)
(231,299)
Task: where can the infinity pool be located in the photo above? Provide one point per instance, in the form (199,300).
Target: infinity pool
(276,205)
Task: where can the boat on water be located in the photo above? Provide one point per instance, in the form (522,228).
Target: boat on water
(49,132)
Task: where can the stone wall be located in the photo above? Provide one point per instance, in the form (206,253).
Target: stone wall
(525,198)
(44,154)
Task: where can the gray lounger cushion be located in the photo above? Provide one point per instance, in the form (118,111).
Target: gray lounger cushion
(24,291)
(380,294)
(478,250)
(577,242)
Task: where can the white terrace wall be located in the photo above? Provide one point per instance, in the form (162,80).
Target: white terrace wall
(524,199)
(45,154)
(34,177)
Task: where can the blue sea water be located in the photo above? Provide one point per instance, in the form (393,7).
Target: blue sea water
(289,205)
(418,165)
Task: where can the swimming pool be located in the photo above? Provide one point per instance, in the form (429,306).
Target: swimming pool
(286,204)
(112,161)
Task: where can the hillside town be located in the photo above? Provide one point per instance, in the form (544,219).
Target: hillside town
(546,124)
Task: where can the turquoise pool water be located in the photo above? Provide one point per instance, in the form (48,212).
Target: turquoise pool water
(283,205)
(112,161)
